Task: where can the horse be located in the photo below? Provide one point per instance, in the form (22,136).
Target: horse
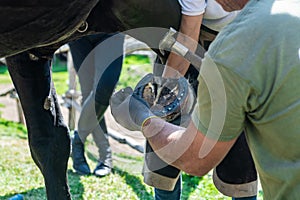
(31,31)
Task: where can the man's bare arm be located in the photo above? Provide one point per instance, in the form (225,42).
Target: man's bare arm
(232,5)
(188,36)
(183,148)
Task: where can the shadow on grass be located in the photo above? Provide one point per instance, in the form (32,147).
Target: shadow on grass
(34,194)
(3,69)
(91,156)
(189,184)
(76,187)
(59,65)
(9,129)
(135,183)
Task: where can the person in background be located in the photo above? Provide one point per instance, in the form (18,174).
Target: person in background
(86,71)
(259,80)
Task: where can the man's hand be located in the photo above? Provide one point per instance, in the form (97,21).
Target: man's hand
(232,5)
(129,110)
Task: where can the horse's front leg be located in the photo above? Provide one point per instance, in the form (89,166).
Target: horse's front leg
(48,135)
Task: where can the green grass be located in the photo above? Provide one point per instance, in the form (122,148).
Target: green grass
(60,80)
(4,75)
(19,174)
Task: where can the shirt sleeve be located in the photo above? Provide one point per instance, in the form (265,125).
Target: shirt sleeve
(221,106)
(192,7)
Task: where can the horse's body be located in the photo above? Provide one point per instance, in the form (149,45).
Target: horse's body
(30,25)
(30,33)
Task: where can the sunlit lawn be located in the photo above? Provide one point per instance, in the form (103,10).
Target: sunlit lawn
(18,174)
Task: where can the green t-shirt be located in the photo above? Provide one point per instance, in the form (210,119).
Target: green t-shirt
(250,80)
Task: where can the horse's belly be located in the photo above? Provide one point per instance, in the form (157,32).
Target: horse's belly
(28,25)
(147,13)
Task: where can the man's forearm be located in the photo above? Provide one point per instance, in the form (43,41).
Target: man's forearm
(232,5)
(181,147)
(188,36)
(166,140)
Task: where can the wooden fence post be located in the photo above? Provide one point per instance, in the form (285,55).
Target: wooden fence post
(71,93)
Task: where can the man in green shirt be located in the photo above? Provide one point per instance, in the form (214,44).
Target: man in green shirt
(249,80)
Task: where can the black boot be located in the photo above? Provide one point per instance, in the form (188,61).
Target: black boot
(79,162)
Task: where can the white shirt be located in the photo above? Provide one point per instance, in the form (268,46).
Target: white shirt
(192,7)
(214,17)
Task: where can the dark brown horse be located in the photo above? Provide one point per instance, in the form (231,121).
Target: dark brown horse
(31,31)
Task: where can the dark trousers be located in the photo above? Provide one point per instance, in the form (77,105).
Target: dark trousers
(87,64)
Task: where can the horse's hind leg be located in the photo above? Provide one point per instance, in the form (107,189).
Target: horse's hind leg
(48,136)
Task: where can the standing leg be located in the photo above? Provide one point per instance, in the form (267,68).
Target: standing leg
(105,87)
(80,49)
(100,136)
(47,133)
(86,61)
